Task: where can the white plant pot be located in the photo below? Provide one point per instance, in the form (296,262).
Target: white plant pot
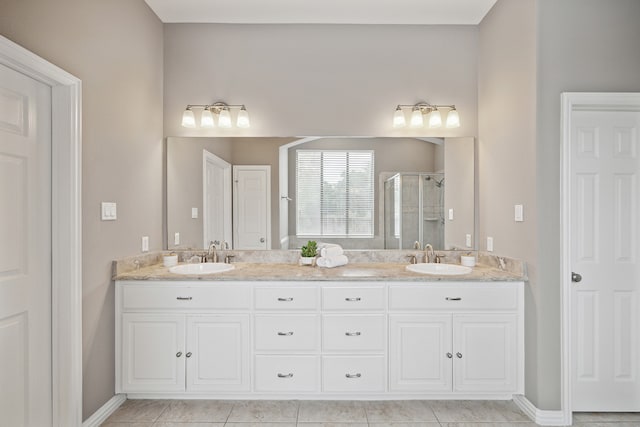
(307,260)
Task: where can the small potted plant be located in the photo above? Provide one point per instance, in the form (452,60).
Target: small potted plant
(308,253)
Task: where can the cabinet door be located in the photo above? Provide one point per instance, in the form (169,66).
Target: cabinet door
(153,356)
(419,353)
(218,353)
(485,352)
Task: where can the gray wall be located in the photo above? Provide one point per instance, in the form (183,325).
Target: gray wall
(584,46)
(507,156)
(459,191)
(115,47)
(306,80)
(529,53)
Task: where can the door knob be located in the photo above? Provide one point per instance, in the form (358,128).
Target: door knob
(575,277)
(262,240)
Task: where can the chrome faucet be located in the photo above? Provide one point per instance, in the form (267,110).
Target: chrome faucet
(416,245)
(429,253)
(211,253)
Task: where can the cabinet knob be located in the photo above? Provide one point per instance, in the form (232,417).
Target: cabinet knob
(449,355)
(459,355)
(353,299)
(352,334)
(289,375)
(285,334)
(353,375)
(178,354)
(188,354)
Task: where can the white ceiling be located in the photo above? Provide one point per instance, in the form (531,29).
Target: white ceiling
(421,12)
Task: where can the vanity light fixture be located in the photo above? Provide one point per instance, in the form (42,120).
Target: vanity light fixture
(209,113)
(419,110)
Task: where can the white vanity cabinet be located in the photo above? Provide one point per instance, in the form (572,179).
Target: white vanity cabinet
(460,338)
(181,337)
(320,339)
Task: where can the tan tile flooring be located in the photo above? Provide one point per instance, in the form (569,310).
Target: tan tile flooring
(313,413)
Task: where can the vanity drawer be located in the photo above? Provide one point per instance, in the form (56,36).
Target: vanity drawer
(453,297)
(286,333)
(362,373)
(286,373)
(211,297)
(285,298)
(354,333)
(353,298)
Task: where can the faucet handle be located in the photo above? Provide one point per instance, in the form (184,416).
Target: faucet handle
(412,259)
(439,258)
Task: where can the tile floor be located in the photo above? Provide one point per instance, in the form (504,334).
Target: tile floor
(292,413)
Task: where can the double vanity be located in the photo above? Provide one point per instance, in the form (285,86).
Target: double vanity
(271,329)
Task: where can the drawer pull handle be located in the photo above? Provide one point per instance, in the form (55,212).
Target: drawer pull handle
(178,354)
(449,355)
(453,298)
(353,375)
(285,334)
(459,355)
(352,334)
(188,354)
(289,375)
(285,299)
(184,298)
(353,299)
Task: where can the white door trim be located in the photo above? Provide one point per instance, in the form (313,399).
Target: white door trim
(574,101)
(66,222)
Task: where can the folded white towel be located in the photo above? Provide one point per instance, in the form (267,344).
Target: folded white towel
(333,261)
(330,249)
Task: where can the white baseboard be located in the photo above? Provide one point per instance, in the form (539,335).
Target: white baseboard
(539,416)
(105,411)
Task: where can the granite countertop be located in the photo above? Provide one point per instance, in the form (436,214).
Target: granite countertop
(364,271)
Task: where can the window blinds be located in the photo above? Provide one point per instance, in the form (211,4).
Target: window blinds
(334,193)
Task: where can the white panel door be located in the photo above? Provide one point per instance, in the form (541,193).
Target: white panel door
(216,199)
(420,353)
(25,251)
(485,352)
(153,352)
(218,353)
(252,207)
(604,250)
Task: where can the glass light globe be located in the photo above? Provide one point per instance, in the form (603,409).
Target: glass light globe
(453,119)
(416,118)
(224,121)
(435,119)
(243,118)
(188,119)
(206,119)
(398,118)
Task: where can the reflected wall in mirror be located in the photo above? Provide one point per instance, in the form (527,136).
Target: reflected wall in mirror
(415,189)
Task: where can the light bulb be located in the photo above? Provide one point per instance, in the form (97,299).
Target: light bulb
(243,118)
(224,120)
(188,119)
(206,120)
(398,118)
(453,119)
(435,119)
(416,118)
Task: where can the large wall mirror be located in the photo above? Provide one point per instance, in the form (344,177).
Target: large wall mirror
(278,193)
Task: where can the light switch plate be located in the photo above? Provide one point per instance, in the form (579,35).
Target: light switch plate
(450,214)
(145,243)
(109,211)
(518,213)
(176,239)
(468,240)
(489,244)
(194,213)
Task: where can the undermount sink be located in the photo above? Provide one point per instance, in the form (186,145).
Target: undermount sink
(439,269)
(202,268)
